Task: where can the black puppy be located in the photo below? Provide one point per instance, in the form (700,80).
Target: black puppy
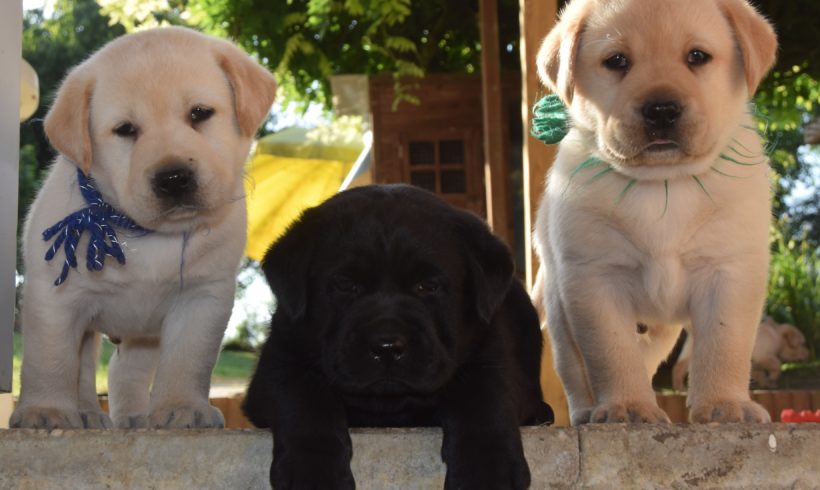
(396,309)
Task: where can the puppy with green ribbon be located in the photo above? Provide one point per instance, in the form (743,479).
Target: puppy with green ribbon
(656,210)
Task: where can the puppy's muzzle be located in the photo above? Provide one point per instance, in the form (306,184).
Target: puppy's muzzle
(661,117)
(387,348)
(175,184)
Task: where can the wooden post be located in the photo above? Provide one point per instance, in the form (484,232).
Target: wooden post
(11,15)
(496,166)
(536,19)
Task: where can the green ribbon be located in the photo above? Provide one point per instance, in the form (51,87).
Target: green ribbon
(550,121)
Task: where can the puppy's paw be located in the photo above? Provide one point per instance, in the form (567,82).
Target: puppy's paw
(322,468)
(33,417)
(580,416)
(729,411)
(137,421)
(95,419)
(198,416)
(496,463)
(630,412)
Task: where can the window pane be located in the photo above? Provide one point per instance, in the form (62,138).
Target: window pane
(451,151)
(422,153)
(424,179)
(453,182)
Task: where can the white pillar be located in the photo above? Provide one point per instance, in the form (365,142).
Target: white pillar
(11,26)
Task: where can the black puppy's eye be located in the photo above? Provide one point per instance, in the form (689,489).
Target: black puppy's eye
(200,114)
(697,57)
(346,285)
(427,286)
(617,62)
(125,130)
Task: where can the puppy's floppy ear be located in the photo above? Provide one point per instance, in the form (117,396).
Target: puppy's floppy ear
(755,38)
(252,85)
(287,265)
(489,265)
(67,124)
(556,57)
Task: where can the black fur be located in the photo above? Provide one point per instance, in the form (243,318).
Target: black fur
(395,309)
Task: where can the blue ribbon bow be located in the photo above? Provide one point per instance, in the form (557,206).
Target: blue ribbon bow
(99,219)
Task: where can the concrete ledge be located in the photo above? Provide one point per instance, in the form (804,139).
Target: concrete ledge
(612,456)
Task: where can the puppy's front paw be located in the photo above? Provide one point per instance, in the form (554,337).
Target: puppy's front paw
(95,419)
(580,416)
(33,417)
(136,421)
(729,411)
(630,412)
(322,468)
(496,463)
(198,416)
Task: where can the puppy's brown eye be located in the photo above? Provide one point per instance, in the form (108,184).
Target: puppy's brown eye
(428,286)
(697,57)
(200,114)
(617,62)
(125,130)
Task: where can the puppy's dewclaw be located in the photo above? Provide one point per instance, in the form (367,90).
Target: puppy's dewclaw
(138,231)
(656,209)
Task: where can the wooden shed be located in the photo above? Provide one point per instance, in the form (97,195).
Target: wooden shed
(439,144)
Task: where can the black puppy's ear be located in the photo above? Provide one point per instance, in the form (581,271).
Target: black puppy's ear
(489,263)
(287,266)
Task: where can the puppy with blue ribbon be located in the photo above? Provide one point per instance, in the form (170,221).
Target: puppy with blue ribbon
(138,231)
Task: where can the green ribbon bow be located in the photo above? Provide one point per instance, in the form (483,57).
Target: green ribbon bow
(550,121)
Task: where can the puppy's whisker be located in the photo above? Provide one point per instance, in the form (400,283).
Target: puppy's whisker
(247,177)
(703,187)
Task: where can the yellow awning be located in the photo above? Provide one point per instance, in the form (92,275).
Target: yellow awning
(293,170)
(280,188)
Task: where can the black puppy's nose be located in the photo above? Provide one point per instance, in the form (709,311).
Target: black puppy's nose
(174,182)
(386,348)
(661,115)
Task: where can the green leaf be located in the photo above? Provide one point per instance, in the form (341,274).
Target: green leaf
(400,44)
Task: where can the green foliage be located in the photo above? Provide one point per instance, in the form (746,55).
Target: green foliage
(785,102)
(794,286)
(249,336)
(787,99)
(306,41)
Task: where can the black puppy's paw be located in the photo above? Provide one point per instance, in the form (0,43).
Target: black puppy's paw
(319,470)
(495,463)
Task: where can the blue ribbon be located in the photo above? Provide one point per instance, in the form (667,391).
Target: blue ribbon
(99,219)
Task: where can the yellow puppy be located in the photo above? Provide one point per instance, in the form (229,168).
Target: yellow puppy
(657,207)
(153,132)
